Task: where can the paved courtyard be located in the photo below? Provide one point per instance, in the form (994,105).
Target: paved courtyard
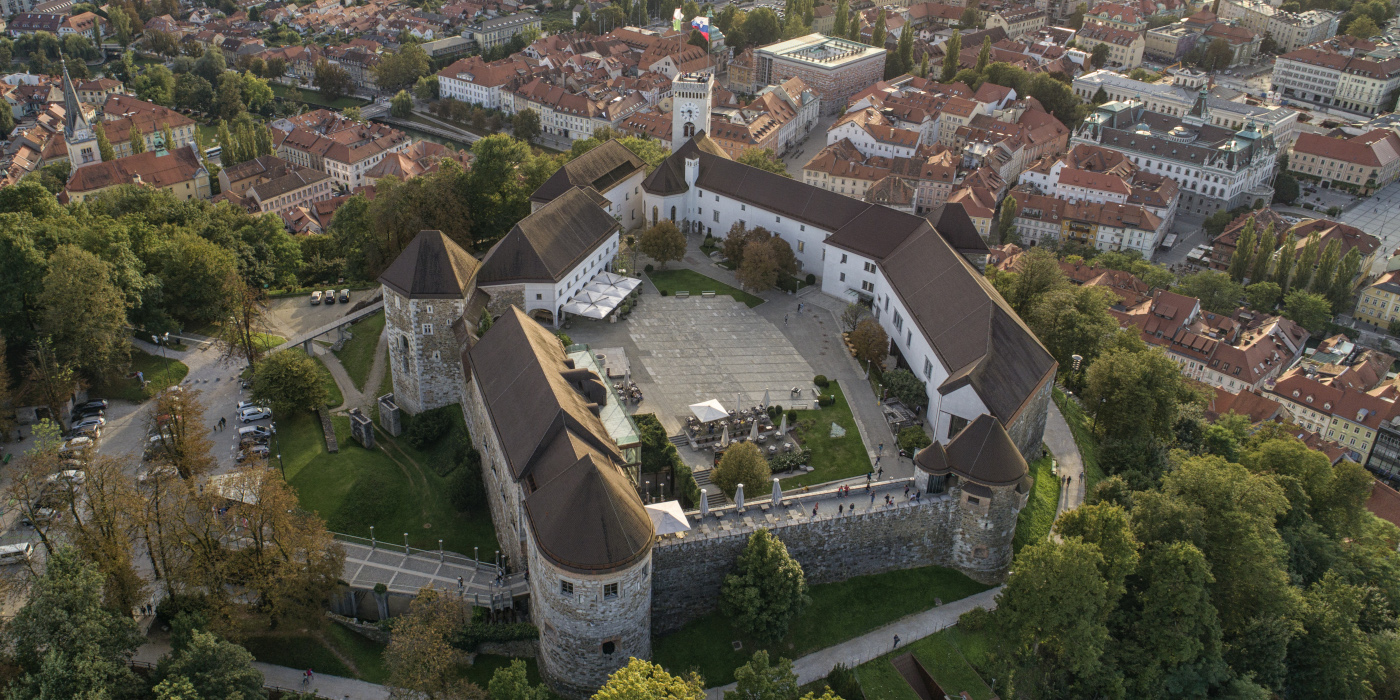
(687,350)
(1379,215)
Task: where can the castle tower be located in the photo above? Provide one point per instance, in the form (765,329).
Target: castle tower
(428,288)
(690,107)
(983,471)
(78,135)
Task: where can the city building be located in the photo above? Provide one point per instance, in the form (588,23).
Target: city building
(1215,167)
(1100,225)
(834,68)
(1337,75)
(1178,95)
(346,155)
(1017,21)
(124,115)
(1125,48)
(1291,30)
(178,172)
(1170,44)
(488,34)
(1349,417)
(1117,16)
(478,82)
(1379,302)
(611,170)
(1358,164)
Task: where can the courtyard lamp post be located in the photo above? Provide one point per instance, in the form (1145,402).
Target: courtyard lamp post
(371,537)
(405,543)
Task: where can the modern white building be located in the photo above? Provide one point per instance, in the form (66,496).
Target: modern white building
(612,171)
(1333,74)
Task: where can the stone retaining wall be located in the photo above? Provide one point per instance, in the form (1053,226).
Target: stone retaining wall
(687,572)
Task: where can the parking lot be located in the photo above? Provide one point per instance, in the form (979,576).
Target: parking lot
(292,316)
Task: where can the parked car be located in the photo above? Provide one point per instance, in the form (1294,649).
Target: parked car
(315,298)
(253,451)
(94,420)
(89,413)
(76,445)
(16,553)
(154,472)
(257,431)
(330,297)
(245,440)
(92,431)
(248,404)
(344,296)
(41,516)
(254,414)
(73,476)
(95,403)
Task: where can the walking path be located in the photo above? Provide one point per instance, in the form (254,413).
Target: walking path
(879,642)
(356,397)
(1060,439)
(284,678)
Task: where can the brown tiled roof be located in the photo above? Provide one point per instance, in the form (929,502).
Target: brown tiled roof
(981,452)
(583,510)
(599,168)
(180,165)
(1373,149)
(431,266)
(545,245)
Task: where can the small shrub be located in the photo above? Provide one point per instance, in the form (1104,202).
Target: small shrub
(812,279)
(664,293)
(472,635)
(648,268)
(564,338)
(913,438)
(792,416)
(466,490)
(821,381)
(826,400)
(843,682)
(975,619)
(428,427)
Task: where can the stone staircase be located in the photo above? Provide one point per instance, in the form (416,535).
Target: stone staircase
(679,441)
(717,497)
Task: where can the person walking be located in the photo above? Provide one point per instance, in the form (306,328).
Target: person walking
(872,499)
(896,641)
(880,474)
(815,506)
(785,319)
(840,509)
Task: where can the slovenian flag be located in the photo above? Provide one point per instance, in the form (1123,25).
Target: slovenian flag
(702,25)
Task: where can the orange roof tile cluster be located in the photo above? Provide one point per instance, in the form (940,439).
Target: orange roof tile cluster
(148,168)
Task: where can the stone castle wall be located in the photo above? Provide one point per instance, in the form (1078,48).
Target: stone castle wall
(983,531)
(1028,430)
(427,366)
(505,296)
(688,571)
(593,628)
(502,493)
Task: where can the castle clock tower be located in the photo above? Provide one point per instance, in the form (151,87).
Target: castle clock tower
(690,107)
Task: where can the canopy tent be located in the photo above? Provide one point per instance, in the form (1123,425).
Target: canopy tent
(605,290)
(709,411)
(668,517)
(591,304)
(625,283)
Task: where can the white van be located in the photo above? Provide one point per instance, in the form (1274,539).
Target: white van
(16,553)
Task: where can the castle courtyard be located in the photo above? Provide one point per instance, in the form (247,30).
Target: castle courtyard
(683,351)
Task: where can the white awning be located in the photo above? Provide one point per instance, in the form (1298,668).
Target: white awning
(708,411)
(623,283)
(668,517)
(605,290)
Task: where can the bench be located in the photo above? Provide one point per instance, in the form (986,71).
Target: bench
(682,295)
(707,295)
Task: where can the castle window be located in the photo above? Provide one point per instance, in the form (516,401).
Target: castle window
(427,329)
(428,309)
(437,356)
(566,588)
(539,297)
(973,500)
(955,425)
(609,647)
(610,590)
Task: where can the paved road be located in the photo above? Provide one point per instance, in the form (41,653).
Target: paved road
(1069,464)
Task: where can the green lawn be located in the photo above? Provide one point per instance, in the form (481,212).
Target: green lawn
(485,666)
(367,654)
(158,371)
(942,655)
(314,98)
(297,652)
(268,341)
(357,355)
(386,386)
(832,458)
(839,611)
(357,488)
(1033,524)
(672,281)
(1083,436)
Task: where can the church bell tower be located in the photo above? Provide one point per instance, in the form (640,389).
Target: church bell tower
(690,107)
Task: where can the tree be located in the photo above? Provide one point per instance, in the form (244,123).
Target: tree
(764,159)
(333,81)
(1283,266)
(403,68)
(903,385)
(767,590)
(66,643)
(213,668)
(843,12)
(1099,57)
(256,92)
(1263,296)
(1363,28)
(1326,271)
(1050,626)
(951,49)
(1106,526)
(742,464)
(426,88)
(904,55)
(758,270)
(1038,275)
(290,382)
(1345,280)
(99,519)
(923,65)
(1286,188)
(402,104)
(1332,655)
(1100,97)
(851,316)
(420,657)
(759,680)
(870,341)
(1076,18)
(1169,630)
(104,147)
(643,680)
(985,55)
(1307,263)
(1264,254)
(138,141)
(1241,259)
(84,312)
(878,30)
(241,337)
(184,440)
(1073,320)
(1135,390)
(228,97)
(511,683)
(1311,311)
(526,125)
(663,242)
(210,66)
(1006,224)
(1217,292)
(52,380)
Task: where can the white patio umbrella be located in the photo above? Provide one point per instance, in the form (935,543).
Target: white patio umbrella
(605,290)
(724,439)
(596,311)
(765,399)
(625,283)
(738,495)
(704,502)
(753,431)
(668,517)
(708,411)
(782,427)
(777,492)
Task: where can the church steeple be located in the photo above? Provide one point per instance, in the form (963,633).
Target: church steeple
(1200,111)
(77,133)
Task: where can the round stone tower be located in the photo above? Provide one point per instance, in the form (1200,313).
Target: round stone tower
(981,469)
